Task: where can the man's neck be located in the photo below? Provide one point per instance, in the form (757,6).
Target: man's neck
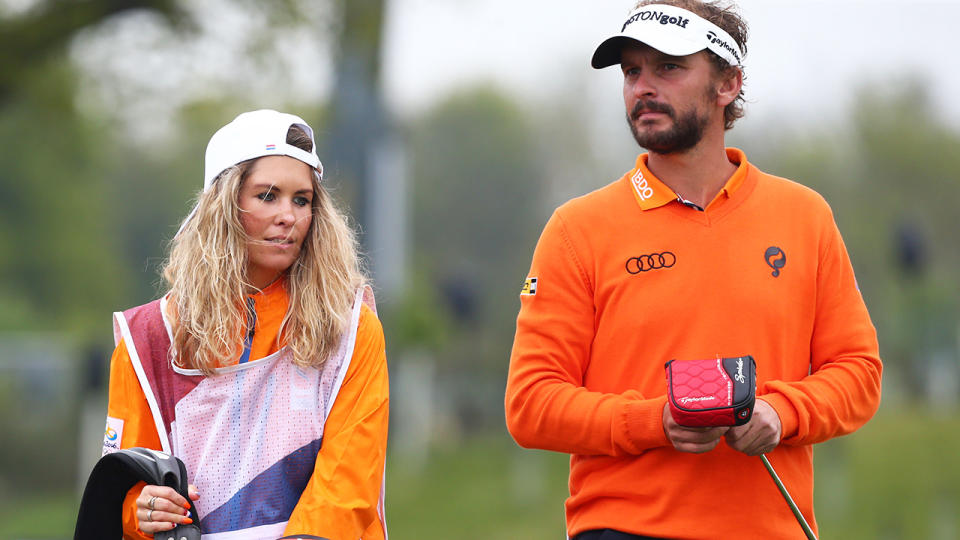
(697,174)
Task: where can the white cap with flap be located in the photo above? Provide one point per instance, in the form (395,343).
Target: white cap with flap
(251,135)
(256,134)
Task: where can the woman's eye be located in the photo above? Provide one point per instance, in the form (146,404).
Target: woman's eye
(301,201)
(267,196)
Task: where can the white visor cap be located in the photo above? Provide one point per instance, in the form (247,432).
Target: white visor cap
(256,134)
(670,30)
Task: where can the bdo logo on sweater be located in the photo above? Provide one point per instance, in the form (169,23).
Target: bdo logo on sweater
(641,186)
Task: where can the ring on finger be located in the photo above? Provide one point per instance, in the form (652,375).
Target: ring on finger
(152,501)
(150,515)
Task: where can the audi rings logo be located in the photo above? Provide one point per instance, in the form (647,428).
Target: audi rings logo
(653,261)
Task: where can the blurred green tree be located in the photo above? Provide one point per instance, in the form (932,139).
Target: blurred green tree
(477,208)
(42,33)
(59,259)
(892,177)
(476,214)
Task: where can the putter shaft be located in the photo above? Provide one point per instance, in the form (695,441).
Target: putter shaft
(786,495)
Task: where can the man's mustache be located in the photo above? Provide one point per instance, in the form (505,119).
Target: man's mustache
(650,106)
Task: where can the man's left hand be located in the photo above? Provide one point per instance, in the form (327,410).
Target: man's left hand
(758,436)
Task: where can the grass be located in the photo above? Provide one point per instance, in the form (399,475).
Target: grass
(897,478)
(39,516)
(488,489)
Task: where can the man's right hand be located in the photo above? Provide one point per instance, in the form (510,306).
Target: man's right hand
(695,440)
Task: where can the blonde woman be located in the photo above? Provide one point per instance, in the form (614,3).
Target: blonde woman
(263,367)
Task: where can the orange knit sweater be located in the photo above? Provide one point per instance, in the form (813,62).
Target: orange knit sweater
(624,279)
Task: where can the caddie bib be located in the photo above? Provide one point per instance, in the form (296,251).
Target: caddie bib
(250,434)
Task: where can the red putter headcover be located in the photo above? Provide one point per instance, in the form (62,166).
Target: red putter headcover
(715,392)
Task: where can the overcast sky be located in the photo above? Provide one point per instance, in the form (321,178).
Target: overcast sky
(804,62)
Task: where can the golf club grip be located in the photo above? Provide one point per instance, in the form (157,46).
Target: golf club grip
(786,495)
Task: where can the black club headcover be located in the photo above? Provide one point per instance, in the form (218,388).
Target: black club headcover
(101,511)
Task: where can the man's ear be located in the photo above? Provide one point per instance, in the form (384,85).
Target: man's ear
(731,81)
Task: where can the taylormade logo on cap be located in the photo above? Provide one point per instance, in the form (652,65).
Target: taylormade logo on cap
(670,30)
(714,40)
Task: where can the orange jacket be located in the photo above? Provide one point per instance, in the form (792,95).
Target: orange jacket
(615,291)
(342,498)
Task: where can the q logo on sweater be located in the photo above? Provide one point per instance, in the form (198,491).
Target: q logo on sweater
(776,259)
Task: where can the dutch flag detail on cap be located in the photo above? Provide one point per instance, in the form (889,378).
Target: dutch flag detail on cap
(271,147)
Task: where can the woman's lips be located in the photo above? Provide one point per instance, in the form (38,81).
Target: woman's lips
(281,241)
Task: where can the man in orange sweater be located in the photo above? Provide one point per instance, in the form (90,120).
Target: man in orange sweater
(694,253)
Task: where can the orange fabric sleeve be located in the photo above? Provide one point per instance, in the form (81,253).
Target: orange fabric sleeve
(546,403)
(127,403)
(843,390)
(342,498)
(131,529)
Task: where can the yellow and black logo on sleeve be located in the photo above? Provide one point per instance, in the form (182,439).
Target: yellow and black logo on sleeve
(529,287)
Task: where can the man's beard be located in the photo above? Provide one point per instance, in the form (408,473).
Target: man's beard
(686,132)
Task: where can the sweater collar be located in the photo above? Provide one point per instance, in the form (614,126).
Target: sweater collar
(650,192)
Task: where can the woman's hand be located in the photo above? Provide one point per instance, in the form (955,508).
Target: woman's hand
(161,508)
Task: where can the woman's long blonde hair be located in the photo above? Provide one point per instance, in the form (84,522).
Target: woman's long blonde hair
(207,275)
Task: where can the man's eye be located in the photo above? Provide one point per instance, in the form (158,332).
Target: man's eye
(670,67)
(267,196)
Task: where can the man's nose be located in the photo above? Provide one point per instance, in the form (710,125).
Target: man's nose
(642,86)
